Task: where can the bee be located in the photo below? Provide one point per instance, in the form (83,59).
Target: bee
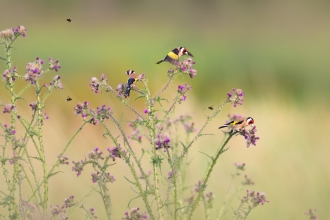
(68,99)
(210,107)
(69,20)
(174,55)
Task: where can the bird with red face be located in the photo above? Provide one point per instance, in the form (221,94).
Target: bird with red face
(239,124)
(173,56)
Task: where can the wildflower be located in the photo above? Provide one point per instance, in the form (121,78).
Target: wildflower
(17,143)
(240,166)
(26,209)
(162,141)
(109,178)
(14,159)
(104,178)
(146,111)
(9,74)
(190,127)
(236,96)
(94,121)
(69,202)
(186,67)
(98,84)
(54,64)
(182,89)
(33,105)
(103,112)
(56,83)
(200,186)
(82,109)
(20,30)
(7,34)
(120,89)
(63,159)
(78,167)
(210,197)
(55,210)
(255,198)
(91,213)
(114,152)
(34,70)
(250,136)
(135,214)
(96,177)
(44,117)
(8,108)
(9,131)
(95,154)
(171,173)
(247,181)
(311,213)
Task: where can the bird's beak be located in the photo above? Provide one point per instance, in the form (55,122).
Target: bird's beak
(189,54)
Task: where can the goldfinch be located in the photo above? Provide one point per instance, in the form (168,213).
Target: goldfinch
(132,79)
(174,55)
(237,125)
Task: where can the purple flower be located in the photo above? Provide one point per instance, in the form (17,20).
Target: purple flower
(250,136)
(68,202)
(9,74)
(236,97)
(186,66)
(8,108)
(182,89)
(240,166)
(95,154)
(82,109)
(56,83)
(114,152)
(255,198)
(146,111)
(20,30)
(199,186)
(34,71)
(311,213)
(63,159)
(34,106)
(54,64)
(98,84)
(14,159)
(162,141)
(78,166)
(103,112)
(121,89)
(134,213)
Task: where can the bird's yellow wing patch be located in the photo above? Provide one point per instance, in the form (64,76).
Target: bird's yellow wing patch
(173,55)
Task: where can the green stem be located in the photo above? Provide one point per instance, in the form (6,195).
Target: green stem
(152,131)
(208,175)
(130,165)
(106,200)
(174,172)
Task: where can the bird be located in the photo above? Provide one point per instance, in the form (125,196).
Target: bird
(174,55)
(132,79)
(237,125)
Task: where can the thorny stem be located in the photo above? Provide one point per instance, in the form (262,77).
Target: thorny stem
(106,200)
(152,131)
(130,165)
(125,103)
(200,133)
(174,184)
(214,161)
(165,87)
(129,146)
(41,146)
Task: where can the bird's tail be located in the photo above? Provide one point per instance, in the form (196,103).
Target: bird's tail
(223,126)
(159,61)
(127,92)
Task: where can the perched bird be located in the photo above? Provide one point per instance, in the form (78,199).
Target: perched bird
(239,124)
(132,79)
(174,55)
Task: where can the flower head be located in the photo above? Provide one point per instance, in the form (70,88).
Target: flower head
(97,84)
(114,152)
(20,30)
(186,66)
(63,159)
(135,214)
(236,96)
(311,214)
(56,83)
(78,166)
(95,154)
(120,89)
(9,74)
(34,70)
(182,90)
(54,64)
(8,108)
(162,141)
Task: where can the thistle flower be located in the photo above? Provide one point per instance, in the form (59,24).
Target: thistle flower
(236,96)
(240,166)
(120,89)
(95,154)
(18,143)
(14,159)
(103,112)
(54,64)
(63,159)
(91,213)
(82,109)
(8,108)
(255,198)
(98,84)
(250,136)
(135,214)
(210,197)
(34,70)
(9,74)
(34,106)
(78,166)
(199,186)
(182,89)
(172,173)
(186,67)
(311,214)
(114,152)
(98,177)
(162,141)
(247,181)
(55,210)
(26,209)
(56,83)
(9,131)
(7,34)
(20,30)
(68,202)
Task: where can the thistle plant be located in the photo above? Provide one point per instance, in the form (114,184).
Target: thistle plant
(155,128)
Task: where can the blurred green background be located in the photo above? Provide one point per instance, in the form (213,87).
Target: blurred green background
(276,51)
